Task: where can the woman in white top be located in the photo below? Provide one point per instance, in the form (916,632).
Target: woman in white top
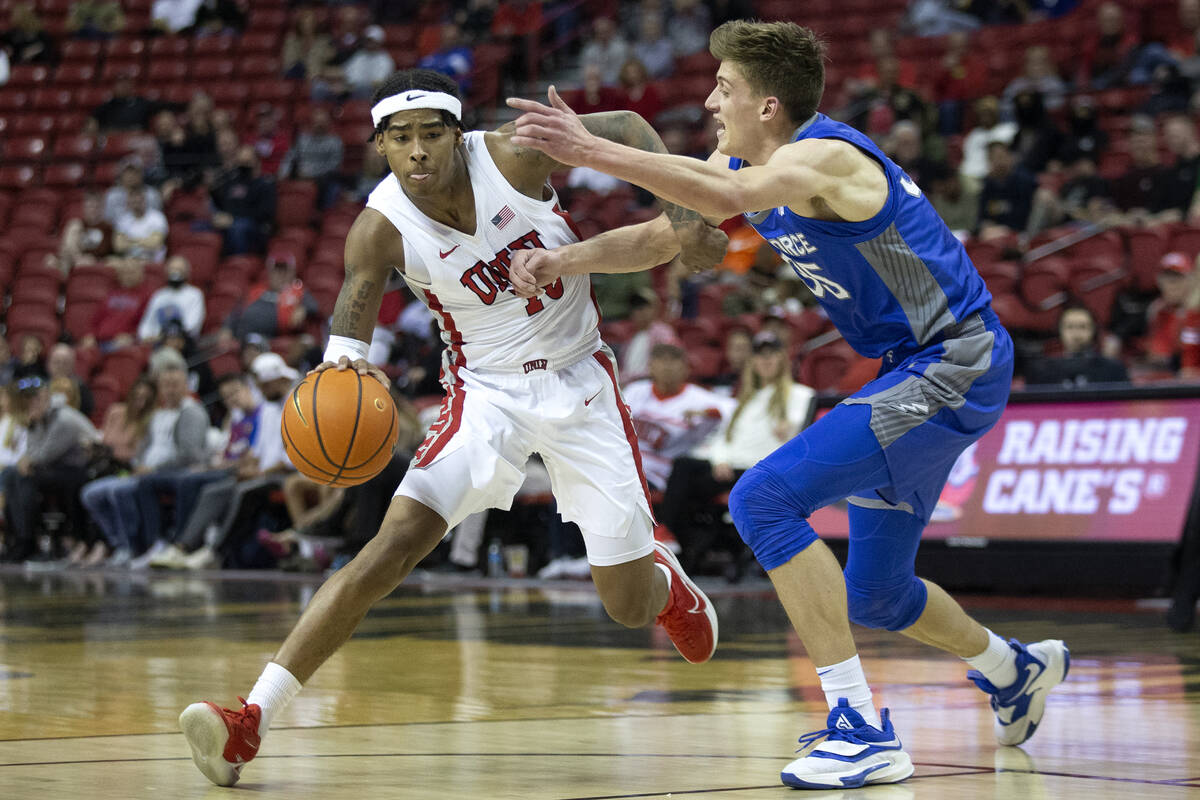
(771,409)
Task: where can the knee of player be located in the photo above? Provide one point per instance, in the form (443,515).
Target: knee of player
(894,607)
(630,609)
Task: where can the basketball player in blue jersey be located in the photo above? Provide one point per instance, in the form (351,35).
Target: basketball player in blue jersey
(899,287)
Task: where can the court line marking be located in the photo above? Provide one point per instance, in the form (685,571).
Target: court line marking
(747,788)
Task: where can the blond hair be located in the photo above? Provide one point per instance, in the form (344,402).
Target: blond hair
(751,384)
(778,59)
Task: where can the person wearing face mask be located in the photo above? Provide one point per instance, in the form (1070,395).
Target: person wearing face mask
(178,300)
(245,203)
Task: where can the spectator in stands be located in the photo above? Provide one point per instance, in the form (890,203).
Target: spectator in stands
(8,363)
(689,26)
(95,19)
(1181,42)
(370,65)
(1170,91)
(905,147)
(374,169)
(771,409)
(173,16)
(1179,135)
(1080,363)
(64,392)
(649,332)
(127,422)
(999,12)
(54,463)
(607,49)
(636,92)
(200,125)
(130,181)
(954,197)
(882,46)
(1106,55)
(26,40)
(516,24)
(653,48)
(225,163)
(175,340)
(738,348)
(1040,75)
(671,415)
(14,432)
(225,509)
(1084,197)
(988,128)
(5,63)
(453,58)
(87,239)
(124,111)
(317,156)
(116,321)
(1007,196)
(175,441)
(1173,319)
(141,232)
(1084,136)
(475,18)
(1141,193)
(279,306)
(61,366)
(245,205)
(894,101)
(30,361)
(938,17)
(961,75)
(1038,140)
(306,49)
(239,430)
(593,96)
(219,17)
(178,300)
(270,142)
(347,32)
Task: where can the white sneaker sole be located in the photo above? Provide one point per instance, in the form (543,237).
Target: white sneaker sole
(677,572)
(888,767)
(207,735)
(1057,658)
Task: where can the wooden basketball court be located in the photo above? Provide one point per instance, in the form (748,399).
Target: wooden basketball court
(526,690)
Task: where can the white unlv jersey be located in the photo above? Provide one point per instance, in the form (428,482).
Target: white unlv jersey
(463,278)
(668,427)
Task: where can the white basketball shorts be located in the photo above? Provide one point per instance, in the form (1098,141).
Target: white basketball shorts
(474,455)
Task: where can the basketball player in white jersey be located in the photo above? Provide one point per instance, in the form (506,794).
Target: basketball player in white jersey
(521,376)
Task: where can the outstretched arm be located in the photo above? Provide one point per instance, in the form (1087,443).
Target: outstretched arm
(695,237)
(794,175)
(631,248)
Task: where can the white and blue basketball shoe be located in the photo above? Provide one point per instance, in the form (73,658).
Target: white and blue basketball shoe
(1040,667)
(852,754)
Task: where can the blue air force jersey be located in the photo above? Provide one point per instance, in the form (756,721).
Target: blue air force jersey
(892,282)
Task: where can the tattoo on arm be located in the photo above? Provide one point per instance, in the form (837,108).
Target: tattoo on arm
(353,304)
(626,127)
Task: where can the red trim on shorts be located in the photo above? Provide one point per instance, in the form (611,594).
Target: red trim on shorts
(627,421)
(447,424)
(558,209)
(456,341)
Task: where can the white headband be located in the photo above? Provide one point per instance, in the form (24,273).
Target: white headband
(415,98)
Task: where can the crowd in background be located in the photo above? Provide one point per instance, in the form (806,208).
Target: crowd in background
(187,469)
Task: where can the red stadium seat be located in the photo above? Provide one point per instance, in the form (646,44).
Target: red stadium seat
(1044,282)
(823,368)
(125,49)
(89,98)
(74,74)
(230,94)
(1186,240)
(81,51)
(208,46)
(51,99)
(256,42)
(267,19)
(65,174)
(113,69)
(167,70)
(23,321)
(25,149)
(89,283)
(170,47)
(35,215)
(32,124)
(297,202)
(80,146)
(1096,282)
(1146,246)
(28,76)
(1106,244)
(274,91)
(1001,277)
(77,319)
(121,143)
(257,66)
(212,69)
(69,122)
(126,365)
(19,240)
(13,100)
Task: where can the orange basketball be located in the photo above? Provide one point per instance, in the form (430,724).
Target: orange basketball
(340,427)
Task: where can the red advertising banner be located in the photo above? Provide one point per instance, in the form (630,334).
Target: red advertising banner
(1112,471)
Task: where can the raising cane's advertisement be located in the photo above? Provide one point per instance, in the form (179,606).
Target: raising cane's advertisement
(1112,471)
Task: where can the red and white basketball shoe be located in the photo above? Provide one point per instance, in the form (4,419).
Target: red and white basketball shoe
(689,618)
(222,741)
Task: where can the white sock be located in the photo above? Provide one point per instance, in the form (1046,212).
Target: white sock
(846,679)
(998,662)
(275,689)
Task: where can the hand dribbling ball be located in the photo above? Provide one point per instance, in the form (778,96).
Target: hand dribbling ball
(339,428)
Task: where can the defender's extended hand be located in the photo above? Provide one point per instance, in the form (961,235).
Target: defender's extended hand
(530,270)
(554,129)
(702,247)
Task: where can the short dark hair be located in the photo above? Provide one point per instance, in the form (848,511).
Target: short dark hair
(778,59)
(667,350)
(425,79)
(233,377)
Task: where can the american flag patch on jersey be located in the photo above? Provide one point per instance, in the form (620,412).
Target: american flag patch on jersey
(503,218)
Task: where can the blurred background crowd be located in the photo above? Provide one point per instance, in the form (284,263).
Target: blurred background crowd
(177,178)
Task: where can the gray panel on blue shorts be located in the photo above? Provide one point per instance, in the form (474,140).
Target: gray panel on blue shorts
(910,281)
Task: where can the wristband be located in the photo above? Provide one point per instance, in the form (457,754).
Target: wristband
(339,346)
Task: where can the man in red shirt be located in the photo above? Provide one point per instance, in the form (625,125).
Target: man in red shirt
(1173,320)
(116,321)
